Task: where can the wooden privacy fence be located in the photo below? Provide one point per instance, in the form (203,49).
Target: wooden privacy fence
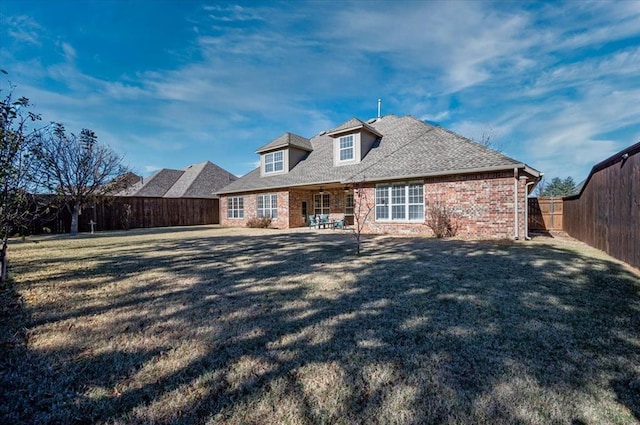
(545,213)
(120,213)
(606,213)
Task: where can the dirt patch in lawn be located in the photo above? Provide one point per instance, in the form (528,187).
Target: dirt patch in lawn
(213,325)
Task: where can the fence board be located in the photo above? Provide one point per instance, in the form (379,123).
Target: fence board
(606,214)
(108,213)
(545,213)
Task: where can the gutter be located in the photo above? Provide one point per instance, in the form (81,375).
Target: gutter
(526,209)
(515,203)
(445,173)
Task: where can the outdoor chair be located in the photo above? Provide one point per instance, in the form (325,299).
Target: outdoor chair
(313,222)
(339,224)
(324,220)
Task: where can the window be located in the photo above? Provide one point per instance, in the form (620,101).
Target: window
(416,201)
(382,202)
(268,205)
(348,205)
(321,203)
(400,202)
(274,162)
(346,148)
(235,207)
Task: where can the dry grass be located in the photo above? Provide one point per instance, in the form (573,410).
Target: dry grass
(237,326)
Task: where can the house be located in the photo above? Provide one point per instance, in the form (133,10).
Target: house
(394,167)
(201,180)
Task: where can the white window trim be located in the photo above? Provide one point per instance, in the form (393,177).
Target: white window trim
(353,204)
(352,148)
(273,199)
(273,162)
(235,207)
(322,205)
(389,203)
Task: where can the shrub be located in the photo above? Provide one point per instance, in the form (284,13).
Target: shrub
(259,222)
(442,221)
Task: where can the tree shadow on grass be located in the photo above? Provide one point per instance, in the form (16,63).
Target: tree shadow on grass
(295,328)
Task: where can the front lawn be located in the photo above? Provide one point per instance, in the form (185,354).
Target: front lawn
(237,326)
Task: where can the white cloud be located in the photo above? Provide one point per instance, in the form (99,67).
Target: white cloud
(231,13)
(23,29)
(69,51)
(440,116)
(260,71)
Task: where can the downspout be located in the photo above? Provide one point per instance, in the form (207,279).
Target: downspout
(526,209)
(515,202)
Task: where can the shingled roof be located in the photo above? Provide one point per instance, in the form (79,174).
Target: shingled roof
(353,124)
(286,140)
(407,148)
(201,180)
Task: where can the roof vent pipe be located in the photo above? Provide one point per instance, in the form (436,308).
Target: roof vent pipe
(379,103)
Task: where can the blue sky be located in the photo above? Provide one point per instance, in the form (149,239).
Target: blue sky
(173,83)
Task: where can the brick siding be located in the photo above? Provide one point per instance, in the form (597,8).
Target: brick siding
(483,203)
(250,207)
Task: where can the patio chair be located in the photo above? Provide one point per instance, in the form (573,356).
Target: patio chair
(313,222)
(324,220)
(339,224)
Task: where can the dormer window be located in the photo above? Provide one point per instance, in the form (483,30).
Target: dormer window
(346,148)
(352,141)
(273,162)
(280,155)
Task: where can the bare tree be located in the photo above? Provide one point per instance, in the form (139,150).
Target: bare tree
(362,211)
(17,170)
(78,168)
(488,140)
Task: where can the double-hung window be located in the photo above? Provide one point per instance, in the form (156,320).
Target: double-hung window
(235,207)
(321,203)
(268,205)
(274,162)
(349,205)
(400,202)
(346,148)
(382,202)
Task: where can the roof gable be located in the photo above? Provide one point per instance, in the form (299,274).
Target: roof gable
(352,125)
(159,183)
(287,140)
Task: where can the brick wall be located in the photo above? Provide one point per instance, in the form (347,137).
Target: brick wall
(484,204)
(289,207)
(250,202)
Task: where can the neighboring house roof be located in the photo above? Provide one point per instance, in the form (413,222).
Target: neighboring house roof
(620,156)
(201,180)
(159,183)
(286,140)
(408,148)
